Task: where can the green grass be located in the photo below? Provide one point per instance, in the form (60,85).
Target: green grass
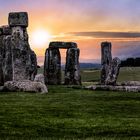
(126,74)
(67,113)
(129,74)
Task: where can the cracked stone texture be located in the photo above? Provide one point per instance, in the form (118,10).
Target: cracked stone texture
(113,71)
(25,86)
(5,32)
(7,63)
(33,68)
(72,72)
(21,54)
(106,59)
(52,67)
(18,19)
(62,45)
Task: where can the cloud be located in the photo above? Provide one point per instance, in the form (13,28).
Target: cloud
(108,34)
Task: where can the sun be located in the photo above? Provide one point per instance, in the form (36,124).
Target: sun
(40,37)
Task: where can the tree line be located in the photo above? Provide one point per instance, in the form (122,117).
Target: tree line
(131,62)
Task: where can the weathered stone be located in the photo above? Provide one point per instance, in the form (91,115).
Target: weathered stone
(33,68)
(72,72)
(1,61)
(25,86)
(130,83)
(7,62)
(105,60)
(18,19)
(52,66)
(5,30)
(113,72)
(39,78)
(20,54)
(114,88)
(62,45)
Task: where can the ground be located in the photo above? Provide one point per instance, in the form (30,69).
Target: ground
(67,113)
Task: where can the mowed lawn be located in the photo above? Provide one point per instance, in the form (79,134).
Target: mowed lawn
(66,113)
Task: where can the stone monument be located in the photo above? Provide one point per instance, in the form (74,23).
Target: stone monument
(52,64)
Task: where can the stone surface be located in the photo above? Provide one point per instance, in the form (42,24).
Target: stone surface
(130,83)
(52,66)
(72,70)
(1,61)
(62,45)
(7,62)
(18,19)
(106,59)
(25,86)
(39,78)
(5,30)
(113,72)
(33,68)
(114,88)
(20,54)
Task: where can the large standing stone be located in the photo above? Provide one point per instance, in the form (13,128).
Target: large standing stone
(1,60)
(72,72)
(52,66)
(113,72)
(105,60)
(20,56)
(23,59)
(5,33)
(7,63)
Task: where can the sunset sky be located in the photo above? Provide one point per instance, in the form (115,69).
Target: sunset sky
(87,22)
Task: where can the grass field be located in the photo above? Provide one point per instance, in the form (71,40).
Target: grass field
(66,113)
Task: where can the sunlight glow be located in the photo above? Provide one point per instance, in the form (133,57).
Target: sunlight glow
(40,38)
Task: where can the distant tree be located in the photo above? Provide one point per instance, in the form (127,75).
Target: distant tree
(130,62)
(137,62)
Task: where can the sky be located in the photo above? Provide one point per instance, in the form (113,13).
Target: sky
(86,22)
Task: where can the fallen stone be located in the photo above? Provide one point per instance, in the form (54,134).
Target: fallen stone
(130,83)
(114,88)
(25,86)
(39,78)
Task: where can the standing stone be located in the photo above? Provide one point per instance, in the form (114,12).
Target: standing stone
(1,60)
(105,60)
(33,69)
(5,33)
(7,63)
(113,72)
(72,72)
(21,52)
(52,66)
